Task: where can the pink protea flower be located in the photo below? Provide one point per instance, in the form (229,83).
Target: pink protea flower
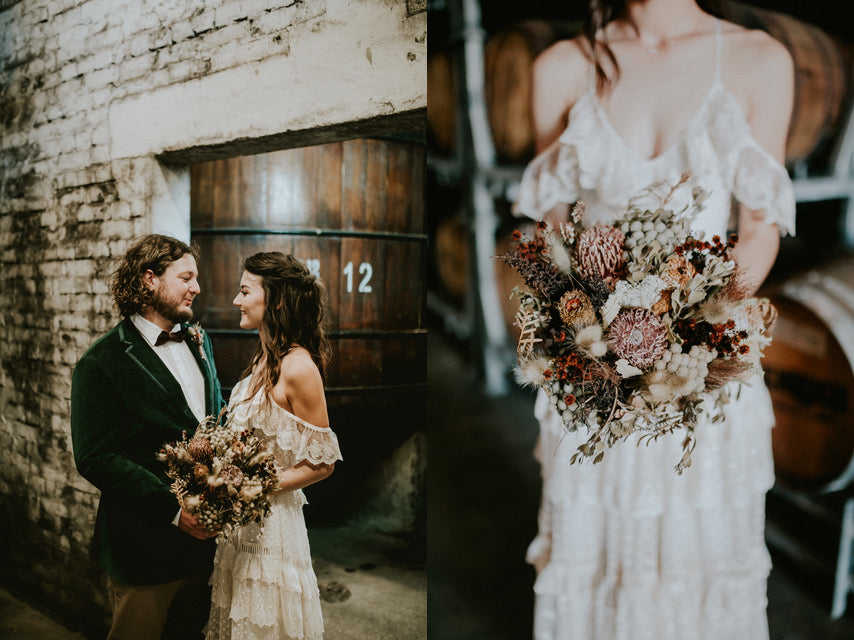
(638,335)
(599,252)
(231,475)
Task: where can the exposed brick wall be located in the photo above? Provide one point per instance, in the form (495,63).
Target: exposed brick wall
(76,187)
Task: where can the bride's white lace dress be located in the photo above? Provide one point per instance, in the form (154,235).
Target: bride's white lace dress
(263,582)
(630,550)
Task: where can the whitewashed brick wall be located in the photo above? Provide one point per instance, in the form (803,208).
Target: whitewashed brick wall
(94,95)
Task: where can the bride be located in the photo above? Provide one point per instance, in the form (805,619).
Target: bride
(627,549)
(263,582)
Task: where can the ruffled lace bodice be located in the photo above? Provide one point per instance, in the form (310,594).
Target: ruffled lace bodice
(289,438)
(627,549)
(591,162)
(263,583)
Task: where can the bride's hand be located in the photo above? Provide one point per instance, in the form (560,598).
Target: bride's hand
(191,525)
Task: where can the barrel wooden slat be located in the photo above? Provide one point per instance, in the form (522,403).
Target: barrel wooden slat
(406,213)
(358,310)
(203,202)
(352,188)
(330,199)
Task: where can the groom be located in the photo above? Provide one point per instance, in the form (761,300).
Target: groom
(139,386)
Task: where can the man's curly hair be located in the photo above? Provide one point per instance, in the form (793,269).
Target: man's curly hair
(155,252)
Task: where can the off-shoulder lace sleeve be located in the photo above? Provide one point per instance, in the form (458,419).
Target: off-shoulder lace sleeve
(549,180)
(761,183)
(315,444)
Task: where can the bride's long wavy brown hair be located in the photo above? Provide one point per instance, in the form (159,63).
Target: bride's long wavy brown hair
(599,14)
(294,314)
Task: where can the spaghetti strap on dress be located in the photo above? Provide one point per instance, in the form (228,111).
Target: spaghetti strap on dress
(628,549)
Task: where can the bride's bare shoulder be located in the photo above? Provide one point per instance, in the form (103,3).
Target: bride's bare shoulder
(758,70)
(753,58)
(564,69)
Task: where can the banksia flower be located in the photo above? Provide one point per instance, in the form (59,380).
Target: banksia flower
(575,309)
(200,449)
(638,335)
(600,253)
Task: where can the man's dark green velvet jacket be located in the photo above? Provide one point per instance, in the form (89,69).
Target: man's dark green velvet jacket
(125,405)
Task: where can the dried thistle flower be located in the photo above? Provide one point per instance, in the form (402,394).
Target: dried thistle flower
(575,308)
(638,335)
(201,471)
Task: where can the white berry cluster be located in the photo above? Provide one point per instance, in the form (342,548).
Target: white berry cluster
(651,240)
(558,391)
(691,367)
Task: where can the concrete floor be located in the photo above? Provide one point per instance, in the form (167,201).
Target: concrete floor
(483,490)
(372,585)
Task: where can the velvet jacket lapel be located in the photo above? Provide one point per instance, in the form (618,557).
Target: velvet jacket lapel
(150,365)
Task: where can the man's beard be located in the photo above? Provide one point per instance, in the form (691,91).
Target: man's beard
(171,310)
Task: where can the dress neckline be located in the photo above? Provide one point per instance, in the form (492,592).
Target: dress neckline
(674,144)
(677,141)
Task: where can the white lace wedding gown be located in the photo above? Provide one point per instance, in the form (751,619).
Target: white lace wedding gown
(264,586)
(630,549)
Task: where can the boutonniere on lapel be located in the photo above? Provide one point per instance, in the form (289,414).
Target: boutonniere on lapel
(198,337)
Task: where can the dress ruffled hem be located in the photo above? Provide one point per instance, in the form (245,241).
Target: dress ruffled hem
(717,607)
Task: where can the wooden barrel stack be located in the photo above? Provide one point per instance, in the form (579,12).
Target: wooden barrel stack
(354,213)
(508,56)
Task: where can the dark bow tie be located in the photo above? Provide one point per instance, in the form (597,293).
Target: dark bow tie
(165,336)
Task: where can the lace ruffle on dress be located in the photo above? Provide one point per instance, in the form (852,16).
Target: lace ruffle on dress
(264,586)
(627,549)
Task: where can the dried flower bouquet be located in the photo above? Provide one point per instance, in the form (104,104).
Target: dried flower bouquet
(638,326)
(221,475)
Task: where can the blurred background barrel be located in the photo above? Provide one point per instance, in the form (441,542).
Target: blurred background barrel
(809,371)
(822,77)
(822,83)
(353,212)
(508,56)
